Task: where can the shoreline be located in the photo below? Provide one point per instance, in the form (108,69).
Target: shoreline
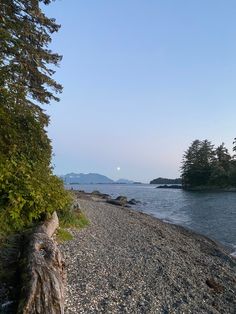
(127,261)
(206,188)
(229,247)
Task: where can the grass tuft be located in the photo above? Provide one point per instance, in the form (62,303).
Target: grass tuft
(70,219)
(63,235)
(73,219)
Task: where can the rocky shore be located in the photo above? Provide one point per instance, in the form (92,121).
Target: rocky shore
(128,262)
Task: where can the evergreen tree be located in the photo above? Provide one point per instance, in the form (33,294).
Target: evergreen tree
(197,163)
(25,33)
(234,147)
(28,188)
(223,156)
(189,163)
(221,167)
(232,172)
(25,75)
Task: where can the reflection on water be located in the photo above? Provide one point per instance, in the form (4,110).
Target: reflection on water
(212,214)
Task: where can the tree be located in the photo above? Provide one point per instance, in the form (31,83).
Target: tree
(24,55)
(189,163)
(221,167)
(28,188)
(22,132)
(234,147)
(223,156)
(25,75)
(197,163)
(232,171)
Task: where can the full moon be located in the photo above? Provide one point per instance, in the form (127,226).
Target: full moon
(118,168)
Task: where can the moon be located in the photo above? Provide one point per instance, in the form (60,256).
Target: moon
(118,168)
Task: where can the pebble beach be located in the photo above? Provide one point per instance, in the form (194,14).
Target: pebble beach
(129,262)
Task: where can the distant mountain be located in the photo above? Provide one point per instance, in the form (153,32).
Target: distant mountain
(166,181)
(124,181)
(81,178)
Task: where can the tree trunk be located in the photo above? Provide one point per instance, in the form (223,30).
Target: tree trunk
(43,275)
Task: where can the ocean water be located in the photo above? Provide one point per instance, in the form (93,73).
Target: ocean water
(210,213)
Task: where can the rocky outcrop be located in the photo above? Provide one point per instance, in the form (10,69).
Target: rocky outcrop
(171,186)
(119,201)
(122,201)
(100,195)
(133,201)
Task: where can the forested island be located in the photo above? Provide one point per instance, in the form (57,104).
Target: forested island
(166,181)
(205,166)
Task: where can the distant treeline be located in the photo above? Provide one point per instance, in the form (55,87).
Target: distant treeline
(205,165)
(166,181)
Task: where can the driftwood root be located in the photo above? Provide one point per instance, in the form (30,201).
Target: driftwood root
(43,274)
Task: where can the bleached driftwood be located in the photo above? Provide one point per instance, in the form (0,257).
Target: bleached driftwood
(43,275)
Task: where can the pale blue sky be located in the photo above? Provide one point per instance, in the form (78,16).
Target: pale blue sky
(142,79)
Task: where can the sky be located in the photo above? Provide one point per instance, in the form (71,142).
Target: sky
(142,79)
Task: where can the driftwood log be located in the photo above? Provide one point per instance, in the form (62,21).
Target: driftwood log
(43,275)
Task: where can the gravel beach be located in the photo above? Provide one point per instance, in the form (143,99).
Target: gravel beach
(128,262)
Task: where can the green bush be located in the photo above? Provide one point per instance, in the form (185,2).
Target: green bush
(28,193)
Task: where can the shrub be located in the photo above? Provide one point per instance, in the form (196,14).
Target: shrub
(28,193)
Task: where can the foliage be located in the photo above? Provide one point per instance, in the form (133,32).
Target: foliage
(204,165)
(22,131)
(28,189)
(234,147)
(28,193)
(25,32)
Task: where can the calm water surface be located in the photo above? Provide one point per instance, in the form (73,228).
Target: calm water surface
(210,213)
